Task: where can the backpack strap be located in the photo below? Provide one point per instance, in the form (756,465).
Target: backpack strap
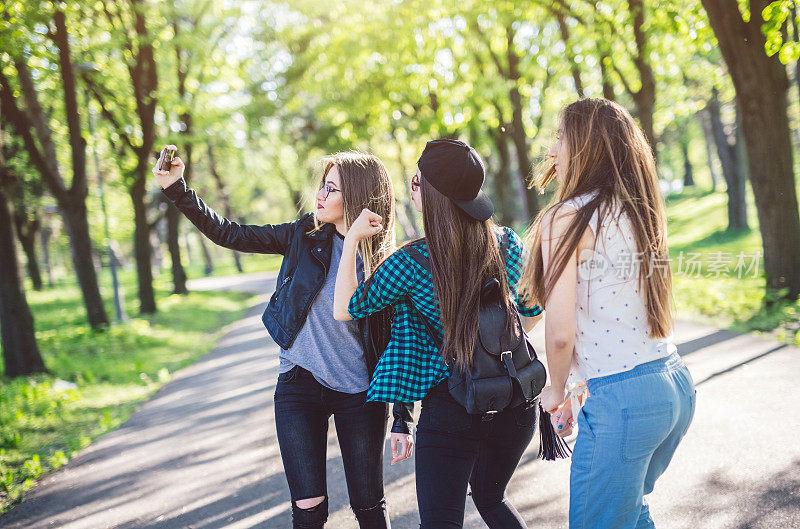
(415,254)
(425,263)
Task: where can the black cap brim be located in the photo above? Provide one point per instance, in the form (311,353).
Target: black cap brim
(479,208)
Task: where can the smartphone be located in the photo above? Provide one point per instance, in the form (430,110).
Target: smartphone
(165,159)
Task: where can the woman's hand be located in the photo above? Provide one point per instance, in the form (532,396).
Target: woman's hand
(175,173)
(366,225)
(552,399)
(562,421)
(402,446)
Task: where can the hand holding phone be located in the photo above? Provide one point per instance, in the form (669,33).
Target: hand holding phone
(167,155)
(168,168)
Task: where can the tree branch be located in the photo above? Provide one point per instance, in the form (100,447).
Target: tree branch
(622,78)
(22,125)
(95,90)
(37,118)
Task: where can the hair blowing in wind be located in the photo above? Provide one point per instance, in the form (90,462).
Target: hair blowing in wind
(608,153)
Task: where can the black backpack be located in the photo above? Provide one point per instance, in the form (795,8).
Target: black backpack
(505,370)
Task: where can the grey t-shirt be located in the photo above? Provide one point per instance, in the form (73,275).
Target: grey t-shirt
(329,349)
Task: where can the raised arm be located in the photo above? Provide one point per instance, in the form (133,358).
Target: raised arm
(366,225)
(226,233)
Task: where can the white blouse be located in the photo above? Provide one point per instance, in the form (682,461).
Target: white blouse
(611,333)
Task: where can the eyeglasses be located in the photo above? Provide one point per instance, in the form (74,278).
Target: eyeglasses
(414,183)
(327,190)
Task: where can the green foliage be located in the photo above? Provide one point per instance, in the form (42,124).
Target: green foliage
(97,378)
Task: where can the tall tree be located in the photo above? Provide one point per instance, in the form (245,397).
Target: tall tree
(710,145)
(34,120)
(731,165)
(27,204)
(644,98)
(20,351)
(761,85)
(127,20)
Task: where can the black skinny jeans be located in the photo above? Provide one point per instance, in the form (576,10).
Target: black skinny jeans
(302,409)
(455,448)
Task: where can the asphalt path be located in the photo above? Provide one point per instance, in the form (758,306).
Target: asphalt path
(202,453)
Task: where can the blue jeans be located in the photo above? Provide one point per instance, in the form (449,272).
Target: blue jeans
(302,409)
(628,430)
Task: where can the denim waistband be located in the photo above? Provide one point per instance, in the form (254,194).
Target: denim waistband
(668,363)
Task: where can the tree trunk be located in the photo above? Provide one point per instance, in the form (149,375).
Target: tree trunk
(404,206)
(688,173)
(729,160)
(178,274)
(570,56)
(796,36)
(20,352)
(761,86)
(645,97)
(502,179)
(77,227)
(209,261)
(27,231)
(608,87)
(46,233)
(142,249)
(173,217)
(708,135)
(518,135)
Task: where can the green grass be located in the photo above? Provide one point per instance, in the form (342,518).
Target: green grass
(697,225)
(97,378)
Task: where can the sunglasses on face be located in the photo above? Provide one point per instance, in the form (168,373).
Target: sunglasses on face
(327,190)
(415,182)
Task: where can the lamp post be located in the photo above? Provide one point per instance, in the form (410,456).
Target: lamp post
(119,296)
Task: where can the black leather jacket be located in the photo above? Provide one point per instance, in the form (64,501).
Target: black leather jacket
(307,257)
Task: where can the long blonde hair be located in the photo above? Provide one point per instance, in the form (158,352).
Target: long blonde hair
(365,183)
(609,155)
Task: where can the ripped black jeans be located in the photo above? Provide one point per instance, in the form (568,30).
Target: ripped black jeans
(302,409)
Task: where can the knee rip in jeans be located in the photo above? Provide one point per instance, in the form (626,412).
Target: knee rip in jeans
(378,506)
(309,503)
(312,516)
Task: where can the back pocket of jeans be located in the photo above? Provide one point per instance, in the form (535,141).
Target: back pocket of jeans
(645,428)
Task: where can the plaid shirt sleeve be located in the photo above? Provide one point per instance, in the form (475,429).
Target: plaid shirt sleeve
(516,255)
(390,282)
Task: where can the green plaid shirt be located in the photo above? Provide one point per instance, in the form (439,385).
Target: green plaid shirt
(411,364)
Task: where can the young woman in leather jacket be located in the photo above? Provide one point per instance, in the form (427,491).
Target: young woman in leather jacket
(325,365)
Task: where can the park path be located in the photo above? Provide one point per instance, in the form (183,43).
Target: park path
(202,452)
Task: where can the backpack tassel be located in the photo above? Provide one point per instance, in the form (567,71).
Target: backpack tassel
(551,446)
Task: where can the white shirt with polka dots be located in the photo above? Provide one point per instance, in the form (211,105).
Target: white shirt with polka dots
(611,328)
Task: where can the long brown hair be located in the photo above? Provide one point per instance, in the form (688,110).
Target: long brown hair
(365,183)
(464,255)
(609,155)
